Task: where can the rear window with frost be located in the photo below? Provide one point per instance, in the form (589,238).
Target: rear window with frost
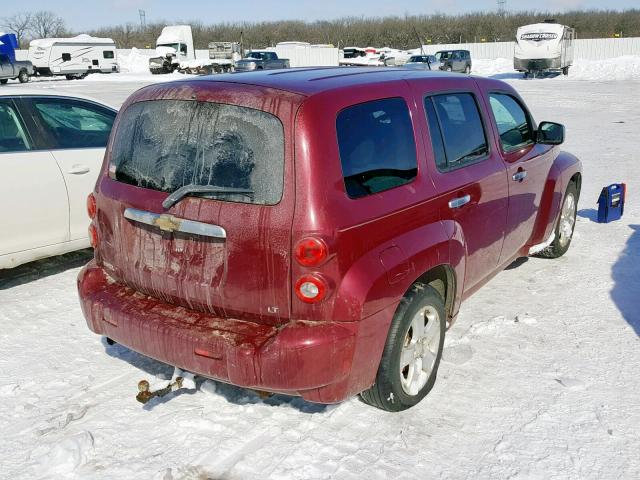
(167,144)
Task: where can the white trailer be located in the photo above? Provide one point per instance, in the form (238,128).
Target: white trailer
(302,54)
(544,47)
(75,57)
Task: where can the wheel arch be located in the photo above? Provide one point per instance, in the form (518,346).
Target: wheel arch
(565,169)
(443,279)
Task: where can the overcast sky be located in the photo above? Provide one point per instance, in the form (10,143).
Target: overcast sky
(96,13)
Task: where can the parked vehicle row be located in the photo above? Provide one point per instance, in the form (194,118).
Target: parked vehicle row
(221,250)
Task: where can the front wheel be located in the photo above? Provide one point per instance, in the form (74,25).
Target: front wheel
(411,356)
(563,232)
(23,76)
(3,81)
(449,69)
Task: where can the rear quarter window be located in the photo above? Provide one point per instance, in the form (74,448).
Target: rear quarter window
(377,146)
(168,144)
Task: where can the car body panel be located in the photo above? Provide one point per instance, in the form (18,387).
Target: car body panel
(54,219)
(378,245)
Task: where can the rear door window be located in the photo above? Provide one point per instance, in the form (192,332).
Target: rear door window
(457,132)
(168,144)
(13,137)
(377,146)
(74,123)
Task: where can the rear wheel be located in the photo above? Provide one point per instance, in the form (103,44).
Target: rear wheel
(563,232)
(412,353)
(467,70)
(3,81)
(449,69)
(565,71)
(23,76)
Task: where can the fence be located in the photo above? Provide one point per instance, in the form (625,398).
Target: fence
(590,49)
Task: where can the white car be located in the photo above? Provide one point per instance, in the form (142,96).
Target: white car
(51,149)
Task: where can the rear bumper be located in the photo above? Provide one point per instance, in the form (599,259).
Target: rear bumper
(536,65)
(323,362)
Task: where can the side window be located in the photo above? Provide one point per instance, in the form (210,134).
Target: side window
(513,124)
(66,57)
(108,54)
(457,132)
(75,124)
(13,137)
(377,146)
(183,49)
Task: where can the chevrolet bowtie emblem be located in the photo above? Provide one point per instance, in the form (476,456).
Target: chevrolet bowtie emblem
(167,223)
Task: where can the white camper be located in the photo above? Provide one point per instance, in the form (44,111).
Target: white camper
(74,57)
(173,48)
(544,47)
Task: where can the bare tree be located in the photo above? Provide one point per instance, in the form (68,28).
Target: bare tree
(47,24)
(20,23)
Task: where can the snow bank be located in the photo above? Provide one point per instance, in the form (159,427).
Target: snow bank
(134,62)
(69,454)
(618,68)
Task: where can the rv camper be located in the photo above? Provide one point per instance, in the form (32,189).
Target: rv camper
(173,48)
(74,57)
(544,47)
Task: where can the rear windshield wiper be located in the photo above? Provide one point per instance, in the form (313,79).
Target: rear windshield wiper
(188,190)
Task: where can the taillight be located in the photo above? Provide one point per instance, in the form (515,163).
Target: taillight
(93,235)
(311,288)
(91,206)
(311,252)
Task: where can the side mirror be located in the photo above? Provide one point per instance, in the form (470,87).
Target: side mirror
(550,133)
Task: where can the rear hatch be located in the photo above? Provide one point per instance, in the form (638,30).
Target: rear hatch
(196,203)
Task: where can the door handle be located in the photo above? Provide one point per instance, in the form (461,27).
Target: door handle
(519,176)
(459,202)
(79,170)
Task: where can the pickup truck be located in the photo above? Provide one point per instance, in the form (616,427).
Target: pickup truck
(12,70)
(261,60)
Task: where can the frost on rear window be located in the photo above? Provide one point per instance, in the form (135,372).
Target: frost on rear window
(167,144)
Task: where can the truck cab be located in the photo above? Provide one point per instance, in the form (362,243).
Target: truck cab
(173,47)
(10,68)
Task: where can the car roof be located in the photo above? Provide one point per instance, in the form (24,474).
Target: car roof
(19,91)
(311,81)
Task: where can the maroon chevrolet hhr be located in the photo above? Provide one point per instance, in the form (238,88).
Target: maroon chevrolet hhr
(313,232)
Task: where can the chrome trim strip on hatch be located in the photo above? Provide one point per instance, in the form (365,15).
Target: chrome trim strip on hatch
(169,223)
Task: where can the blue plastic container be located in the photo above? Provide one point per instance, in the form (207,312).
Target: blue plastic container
(611,203)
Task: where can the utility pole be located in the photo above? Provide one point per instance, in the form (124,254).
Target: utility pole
(143,19)
(502,5)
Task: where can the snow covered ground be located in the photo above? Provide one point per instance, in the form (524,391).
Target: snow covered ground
(539,380)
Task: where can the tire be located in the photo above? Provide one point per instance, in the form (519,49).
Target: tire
(4,81)
(565,71)
(563,233)
(449,69)
(396,387)
(467,70)
(23,76)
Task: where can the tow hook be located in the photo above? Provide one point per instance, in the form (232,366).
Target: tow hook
(144,395)
(178,381)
